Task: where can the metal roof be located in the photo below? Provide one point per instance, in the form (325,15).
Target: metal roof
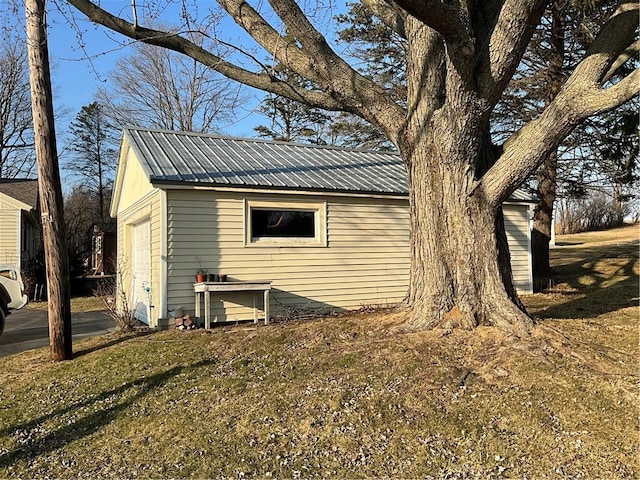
(194,158)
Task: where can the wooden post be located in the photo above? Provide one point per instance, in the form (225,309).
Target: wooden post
(50,189)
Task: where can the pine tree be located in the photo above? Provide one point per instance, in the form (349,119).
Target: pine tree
(95,154)
(292,121)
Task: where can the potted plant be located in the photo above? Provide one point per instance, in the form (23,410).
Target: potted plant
(201,275)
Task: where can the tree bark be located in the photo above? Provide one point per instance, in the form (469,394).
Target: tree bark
(460,270)
(547,172)
(59,307)
(542,219)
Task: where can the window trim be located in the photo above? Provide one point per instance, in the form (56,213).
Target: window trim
(319,210)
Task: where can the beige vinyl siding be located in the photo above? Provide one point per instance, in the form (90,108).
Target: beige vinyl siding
(135,183)
(147,208)
(9,236)
(516,219)
(365,262)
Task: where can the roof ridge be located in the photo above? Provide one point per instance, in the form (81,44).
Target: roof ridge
(260,140)
(17,180)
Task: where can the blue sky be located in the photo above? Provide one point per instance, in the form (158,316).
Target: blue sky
(82,55)
(77,72)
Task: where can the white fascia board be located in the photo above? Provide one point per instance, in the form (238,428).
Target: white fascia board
(14,202)
(119,181)
(318,193)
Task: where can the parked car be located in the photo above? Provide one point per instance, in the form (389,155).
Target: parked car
(12,296)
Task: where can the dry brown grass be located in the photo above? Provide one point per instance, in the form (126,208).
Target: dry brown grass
(350,396)
(78,304)
(627,234)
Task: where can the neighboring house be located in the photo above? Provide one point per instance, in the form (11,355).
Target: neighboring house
(102,260)
(20,238)
(329,227)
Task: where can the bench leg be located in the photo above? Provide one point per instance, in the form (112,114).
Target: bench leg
(255,309)
(266,307)
(207,309)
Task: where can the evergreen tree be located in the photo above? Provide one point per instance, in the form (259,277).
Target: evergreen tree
(95,154)
(292,121)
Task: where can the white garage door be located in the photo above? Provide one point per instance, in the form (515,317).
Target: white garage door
(141,269)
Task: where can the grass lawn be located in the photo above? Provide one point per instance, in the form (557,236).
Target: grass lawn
(78,304)
(351,396)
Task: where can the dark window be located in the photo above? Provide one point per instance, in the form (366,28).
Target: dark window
(282,223)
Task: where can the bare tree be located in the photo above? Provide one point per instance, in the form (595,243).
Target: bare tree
(17,157)
(157,88)
(460,57)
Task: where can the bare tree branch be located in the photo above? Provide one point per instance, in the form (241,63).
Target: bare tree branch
(514,26)
(283,48)
(446,18)
(389,14)
(360,95)
(182,45)
(581,97)
(614,38)
(623,58)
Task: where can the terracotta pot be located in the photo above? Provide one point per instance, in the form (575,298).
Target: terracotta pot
(201,278)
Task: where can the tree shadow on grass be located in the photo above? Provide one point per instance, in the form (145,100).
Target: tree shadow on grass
(592,289)
(111,340)
(34,445)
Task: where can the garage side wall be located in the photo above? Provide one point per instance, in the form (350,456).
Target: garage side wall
(365,260)
(146,209)
(516,220)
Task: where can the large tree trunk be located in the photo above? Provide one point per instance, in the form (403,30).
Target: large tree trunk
(460,271)
(457,278)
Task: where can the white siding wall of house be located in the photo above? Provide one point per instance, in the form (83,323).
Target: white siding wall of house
(365,262)
(9,234)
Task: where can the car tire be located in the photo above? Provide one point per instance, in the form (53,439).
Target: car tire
(2,319)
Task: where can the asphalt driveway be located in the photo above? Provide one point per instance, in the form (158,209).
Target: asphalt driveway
(26,329)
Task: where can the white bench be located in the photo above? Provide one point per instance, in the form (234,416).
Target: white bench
(204,289)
